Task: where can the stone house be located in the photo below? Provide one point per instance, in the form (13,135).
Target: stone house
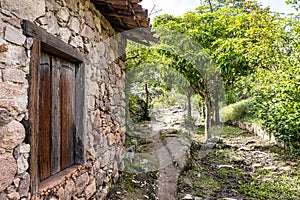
(62,108)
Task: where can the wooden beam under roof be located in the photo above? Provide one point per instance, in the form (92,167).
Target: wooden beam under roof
(126,15)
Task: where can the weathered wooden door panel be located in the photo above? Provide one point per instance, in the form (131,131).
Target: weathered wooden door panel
(55,115)
(45,118)
(67,120)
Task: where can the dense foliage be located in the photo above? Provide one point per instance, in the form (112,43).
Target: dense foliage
(276,98)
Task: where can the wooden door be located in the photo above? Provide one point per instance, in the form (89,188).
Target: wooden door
(56,117)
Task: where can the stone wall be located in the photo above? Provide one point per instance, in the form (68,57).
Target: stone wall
(80,24)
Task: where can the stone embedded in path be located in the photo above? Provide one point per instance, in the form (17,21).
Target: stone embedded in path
(225,166)
(198,198)
(82,181)
(285,168)
(90,189)
(270,168)
(250,142)
(187,197)
(208,146)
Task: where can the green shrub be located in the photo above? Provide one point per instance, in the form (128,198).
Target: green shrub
(276,99)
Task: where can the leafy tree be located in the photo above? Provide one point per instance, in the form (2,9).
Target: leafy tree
(181,58)
(246,44)
(238,40)
(154,78)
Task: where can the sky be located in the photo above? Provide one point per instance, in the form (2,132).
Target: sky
(178,7)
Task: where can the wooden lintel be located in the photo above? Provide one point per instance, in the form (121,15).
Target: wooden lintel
(51,44)
(122,17)
(109,13)
(119,10)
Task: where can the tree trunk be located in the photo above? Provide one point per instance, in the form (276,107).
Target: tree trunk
(189,106)
(207,118)
(146,111)
(210,6)
(203,110)
(217,110)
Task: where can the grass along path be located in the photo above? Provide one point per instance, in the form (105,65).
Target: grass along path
(240,166)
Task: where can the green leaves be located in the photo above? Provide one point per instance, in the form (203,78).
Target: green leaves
(238,39)
(276,99)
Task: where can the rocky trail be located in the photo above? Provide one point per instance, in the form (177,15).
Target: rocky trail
(166,164)
(161,154)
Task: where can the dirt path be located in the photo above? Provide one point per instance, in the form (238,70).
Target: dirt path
(171,149)
(168,173)
(172,158)
(162,150)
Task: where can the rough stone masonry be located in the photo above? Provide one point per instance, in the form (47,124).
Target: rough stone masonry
(81,25)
